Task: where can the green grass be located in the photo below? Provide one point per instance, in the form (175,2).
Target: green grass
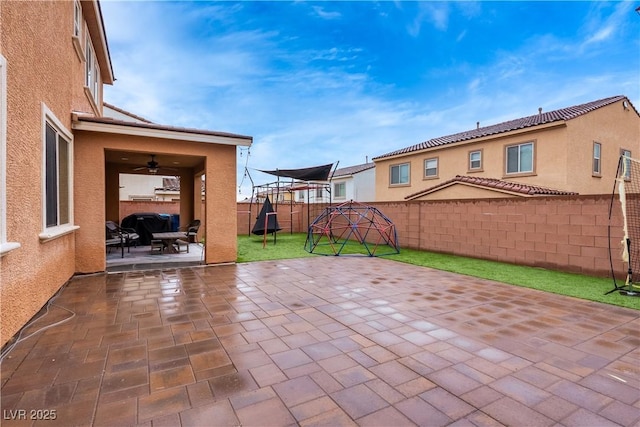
(575,285)
(287,246)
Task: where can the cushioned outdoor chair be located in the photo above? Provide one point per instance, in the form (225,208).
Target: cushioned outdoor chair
(114,242)
(191,230)
(126,236)
(180,244)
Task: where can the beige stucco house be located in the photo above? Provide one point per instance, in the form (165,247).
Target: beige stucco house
(566,151)
(60,157)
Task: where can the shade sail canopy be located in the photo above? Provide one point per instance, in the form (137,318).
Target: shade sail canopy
(316,173)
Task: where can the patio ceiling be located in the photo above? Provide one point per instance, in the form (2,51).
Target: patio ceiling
(135,159)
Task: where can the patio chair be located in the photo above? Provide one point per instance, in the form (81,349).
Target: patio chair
(127,236)
(191,230)
(157,245)
(179,244)
(115,241)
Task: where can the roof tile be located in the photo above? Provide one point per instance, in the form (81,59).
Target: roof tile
(494,184)
(350,170)
(521,123)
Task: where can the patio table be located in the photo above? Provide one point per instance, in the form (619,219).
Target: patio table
(169,238)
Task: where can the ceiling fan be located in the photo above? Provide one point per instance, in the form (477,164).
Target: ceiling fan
(152,166)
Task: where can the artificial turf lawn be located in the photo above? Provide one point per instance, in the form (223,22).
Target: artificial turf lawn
(250,248)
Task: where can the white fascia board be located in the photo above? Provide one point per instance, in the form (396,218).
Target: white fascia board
(159,133)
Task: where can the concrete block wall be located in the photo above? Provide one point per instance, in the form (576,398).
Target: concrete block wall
(560,233)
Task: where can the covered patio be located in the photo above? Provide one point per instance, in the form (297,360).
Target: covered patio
(104,148)
(321,341)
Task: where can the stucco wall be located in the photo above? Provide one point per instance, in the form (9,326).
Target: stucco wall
(614,127)
(37,73)
(91,204)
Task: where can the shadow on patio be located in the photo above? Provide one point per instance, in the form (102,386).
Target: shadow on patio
(142,258)
(321,341)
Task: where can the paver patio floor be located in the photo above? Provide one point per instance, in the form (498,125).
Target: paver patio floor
(322,341)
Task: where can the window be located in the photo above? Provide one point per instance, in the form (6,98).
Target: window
(77,30)
(431,168)
(5,246)
(57,182)
(475,160)
(77,19)
(340,190)
(92,73)
(627,163)
(319,192)
(399,174)
(597,165)
(520,158)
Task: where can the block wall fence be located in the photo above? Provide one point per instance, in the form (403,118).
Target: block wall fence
(568,234)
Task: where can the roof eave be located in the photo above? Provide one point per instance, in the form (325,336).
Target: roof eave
(469,184)
(93,15)
(155,132)
(544,126)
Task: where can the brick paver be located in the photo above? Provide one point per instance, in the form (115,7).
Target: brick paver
(321,341)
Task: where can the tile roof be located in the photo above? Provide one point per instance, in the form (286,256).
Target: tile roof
(111,121)
(350,170)
(494,184)
(173,184)
(126,113)
(562,114)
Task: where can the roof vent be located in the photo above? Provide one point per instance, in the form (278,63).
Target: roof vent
(540,110)
(477,125)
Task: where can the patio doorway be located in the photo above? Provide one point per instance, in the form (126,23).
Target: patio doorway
(163,194)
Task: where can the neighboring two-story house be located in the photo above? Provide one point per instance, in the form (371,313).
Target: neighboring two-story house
(61,157)
(354,183)
(572,150)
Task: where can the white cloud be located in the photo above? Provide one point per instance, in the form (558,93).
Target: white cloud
(307,103)
(322,13)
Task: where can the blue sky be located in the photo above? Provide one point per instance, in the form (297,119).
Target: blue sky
(323,82)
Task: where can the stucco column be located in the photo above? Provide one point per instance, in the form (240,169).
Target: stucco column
(91,205)
(186,198)
(112,193)
(221,208)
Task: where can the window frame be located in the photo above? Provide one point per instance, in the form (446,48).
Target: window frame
(399,183)
(78,30)
(520,171)
(623,152)
(470,167)
(92,77)
(5,245)
(77,19)
(425,169)
(596,171)
(336,189)
(54,231)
